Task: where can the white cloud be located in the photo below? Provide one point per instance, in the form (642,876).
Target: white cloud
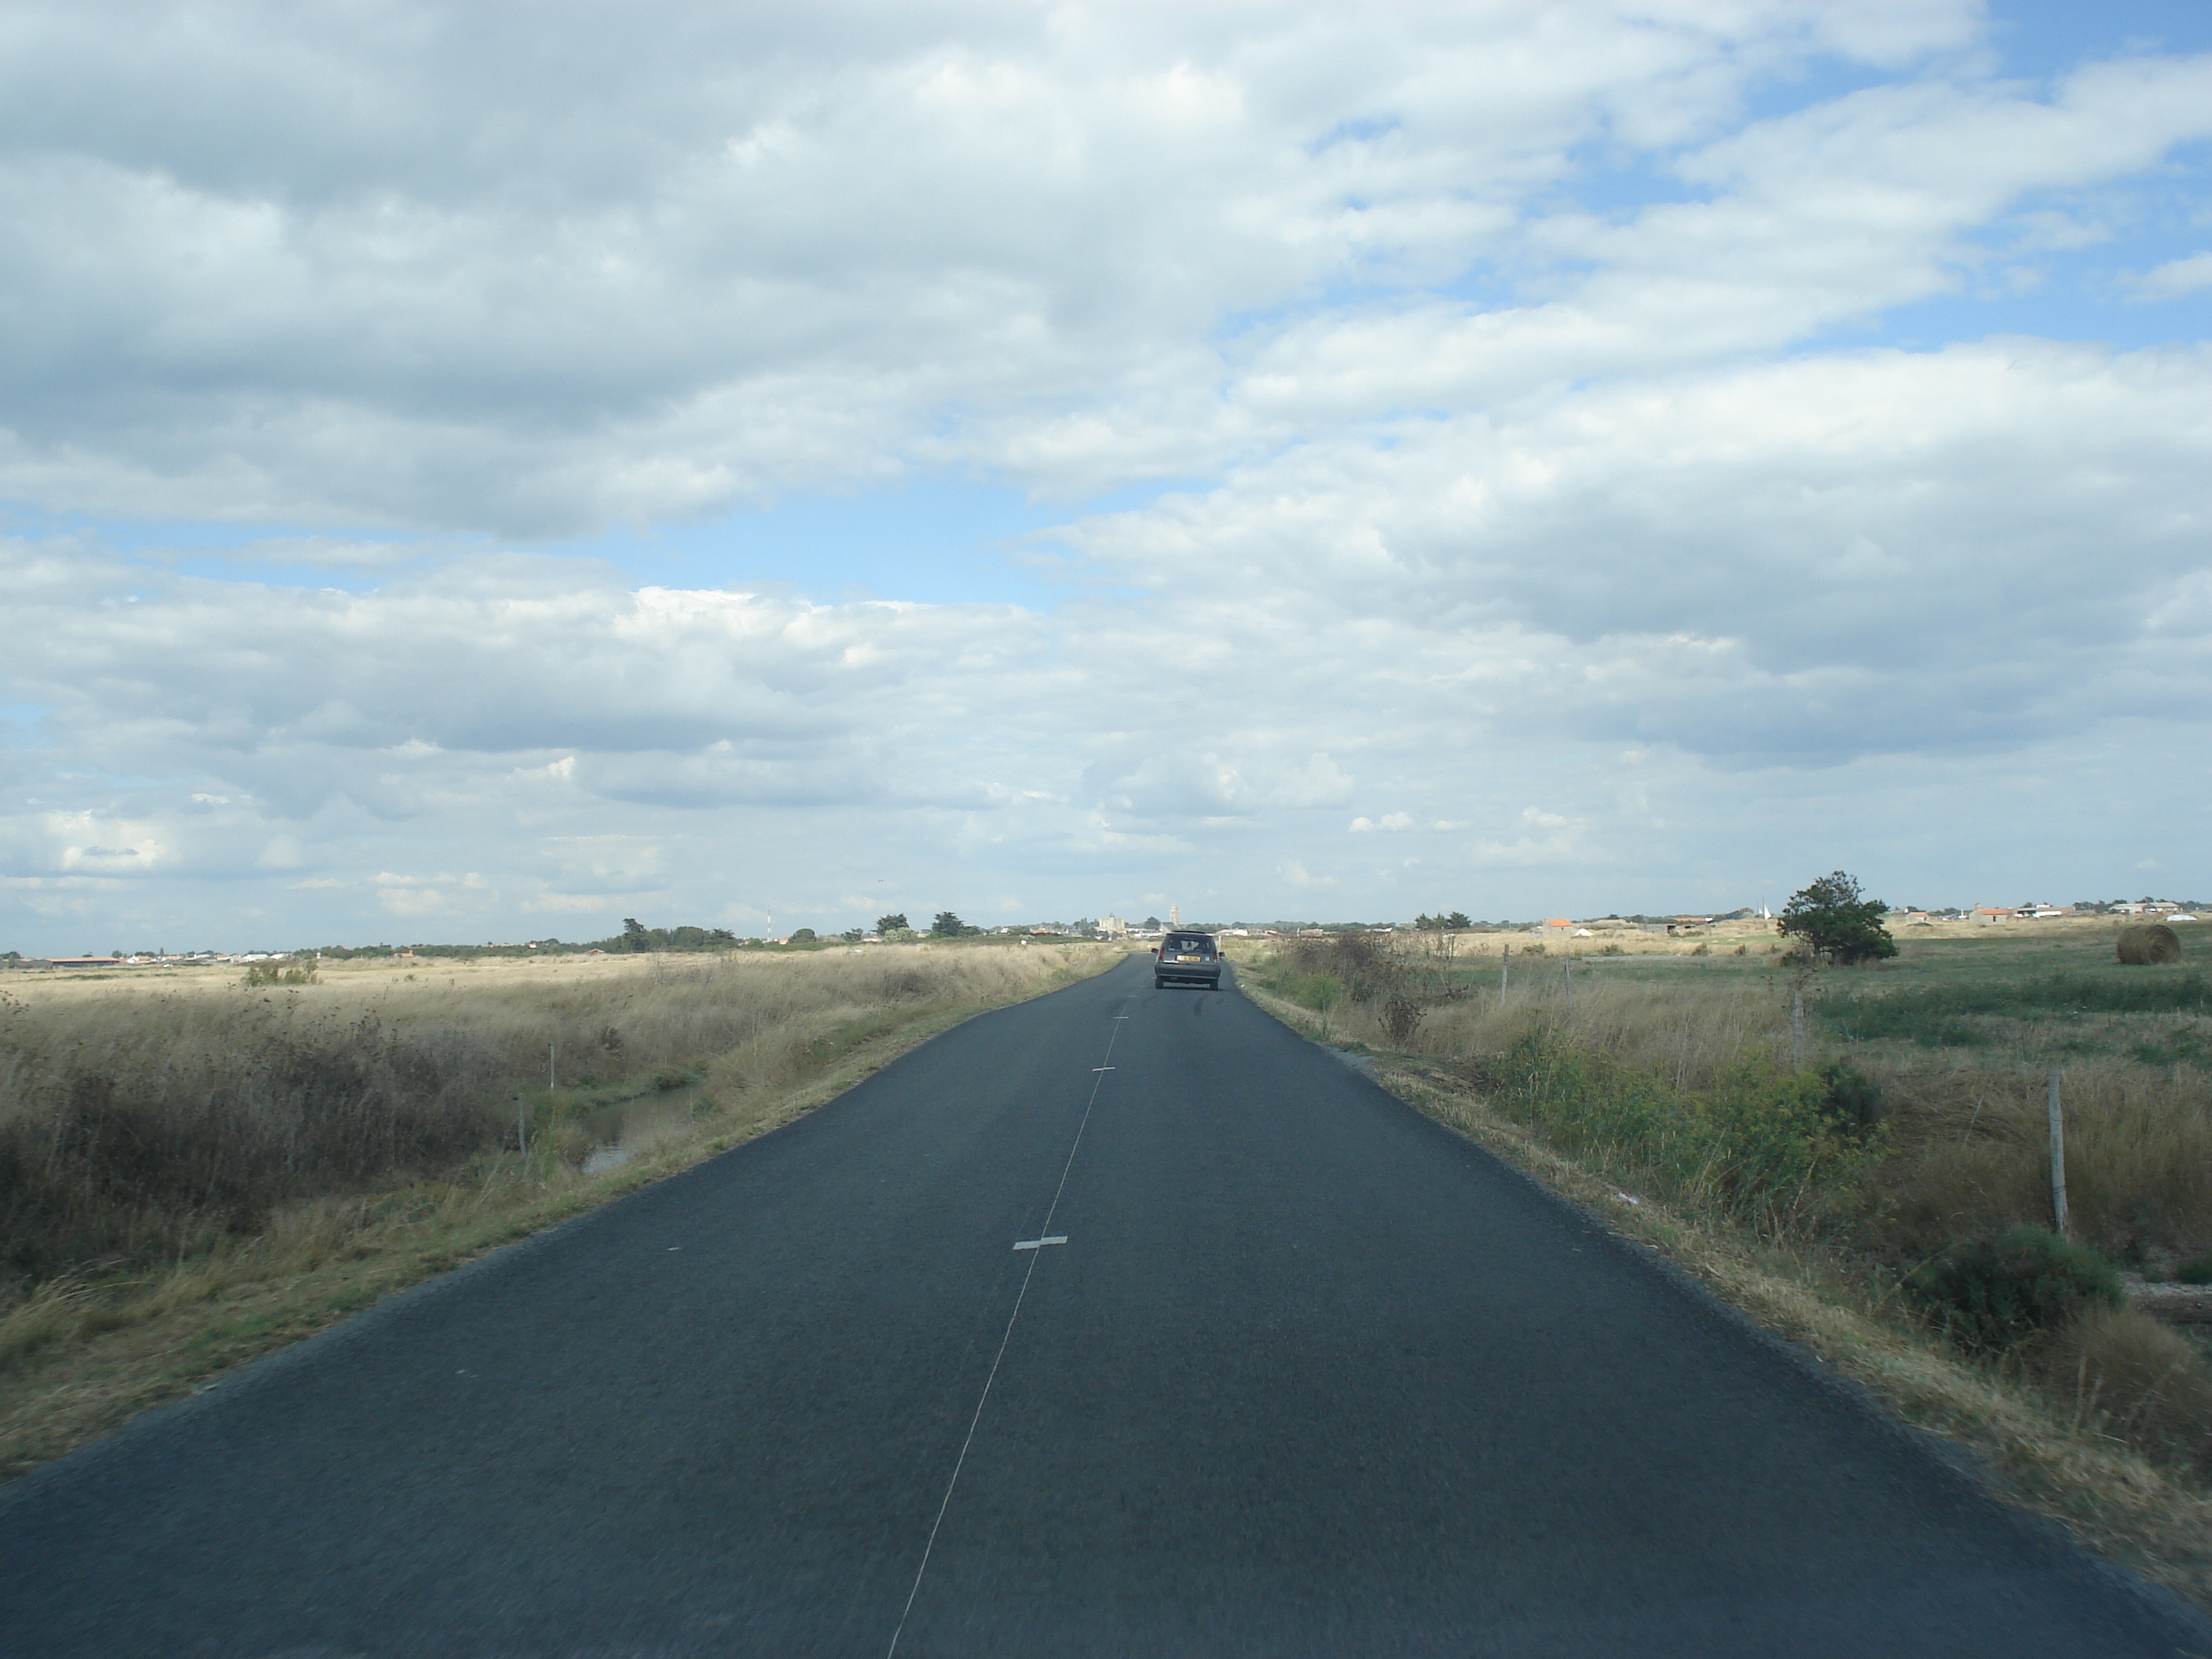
(2176,278)
(295,265)
(1492,349)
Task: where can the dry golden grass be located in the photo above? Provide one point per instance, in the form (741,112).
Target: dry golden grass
(761,1039)
(1970,1153)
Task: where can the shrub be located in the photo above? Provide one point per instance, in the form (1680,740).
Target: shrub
(1361,968)
(2199,1271)
(1992,1293)
(1852,1098)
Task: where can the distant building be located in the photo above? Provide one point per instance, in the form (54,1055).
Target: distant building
(1112,928)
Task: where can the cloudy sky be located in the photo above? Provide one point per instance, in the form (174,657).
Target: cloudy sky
(474,473)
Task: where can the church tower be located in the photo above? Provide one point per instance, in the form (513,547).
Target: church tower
(1174,915)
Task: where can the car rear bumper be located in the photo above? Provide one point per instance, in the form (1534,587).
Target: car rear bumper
(1188,973)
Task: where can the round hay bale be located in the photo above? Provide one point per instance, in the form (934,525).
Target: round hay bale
(2149,942)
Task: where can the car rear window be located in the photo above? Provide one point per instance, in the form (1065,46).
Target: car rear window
(1187,942)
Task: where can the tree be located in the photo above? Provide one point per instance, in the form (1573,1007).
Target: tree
(1456,921)
(803,936)
(949,926)
(889,925)
(634,936)
(1152,921)
(1830,916)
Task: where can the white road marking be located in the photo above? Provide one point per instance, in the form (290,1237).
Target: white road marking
(999,1359)
(1039,1243)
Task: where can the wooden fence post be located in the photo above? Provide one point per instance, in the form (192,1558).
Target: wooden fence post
(2057,1158)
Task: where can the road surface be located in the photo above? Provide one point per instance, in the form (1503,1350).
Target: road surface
(1309,1376)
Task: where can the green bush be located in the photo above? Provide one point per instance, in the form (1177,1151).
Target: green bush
(2199,1271)
(1760,1144)
(1992,1293)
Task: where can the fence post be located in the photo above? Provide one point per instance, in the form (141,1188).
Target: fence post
(1504,967)
(2057,1158)
(1567,973)
(552,1079)
(1797,1026)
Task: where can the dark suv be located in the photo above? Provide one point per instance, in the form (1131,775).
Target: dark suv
(1187,959)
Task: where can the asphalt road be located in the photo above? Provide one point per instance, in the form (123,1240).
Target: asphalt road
(1309,1376)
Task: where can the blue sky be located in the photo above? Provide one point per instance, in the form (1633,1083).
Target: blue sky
(472,480)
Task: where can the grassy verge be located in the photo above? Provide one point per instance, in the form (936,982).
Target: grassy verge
(178,1292)
(1672,1110)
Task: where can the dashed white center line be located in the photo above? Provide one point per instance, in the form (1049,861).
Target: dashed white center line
(929,1544)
